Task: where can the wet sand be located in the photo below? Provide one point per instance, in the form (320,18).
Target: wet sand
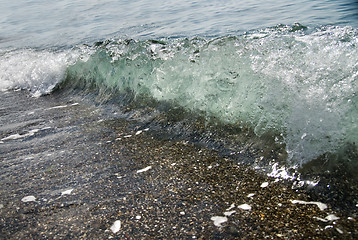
(69,173)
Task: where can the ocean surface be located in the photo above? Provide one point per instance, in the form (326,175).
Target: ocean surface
(272,84)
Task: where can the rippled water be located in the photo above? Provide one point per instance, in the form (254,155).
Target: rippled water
(41,23)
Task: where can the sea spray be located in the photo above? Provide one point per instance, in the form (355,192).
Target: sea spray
(35,70)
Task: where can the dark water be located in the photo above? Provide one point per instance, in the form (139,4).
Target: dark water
(266,83)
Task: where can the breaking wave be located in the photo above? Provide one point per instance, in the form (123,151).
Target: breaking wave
(295,84)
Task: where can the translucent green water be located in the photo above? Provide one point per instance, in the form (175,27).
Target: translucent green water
(295,83)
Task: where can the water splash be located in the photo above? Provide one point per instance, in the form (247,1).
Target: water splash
(295,84)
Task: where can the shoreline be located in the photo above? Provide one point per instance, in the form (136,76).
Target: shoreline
(85,173)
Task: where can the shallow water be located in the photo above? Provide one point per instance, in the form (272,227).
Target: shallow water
(81,174)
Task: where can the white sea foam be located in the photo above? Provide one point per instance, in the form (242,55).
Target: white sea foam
(320,205)
(12,137)
(332,217)
(244,206)
(229,213)
(116,226)
(28,199)
(18,136)
(329,218)
(37,71)
(144,169)
(231,207)
(58,107)
(280,172)
(67,192)
(218,220)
